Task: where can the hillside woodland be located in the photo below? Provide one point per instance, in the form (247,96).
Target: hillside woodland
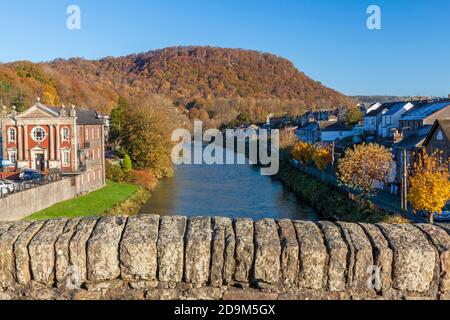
(215,84)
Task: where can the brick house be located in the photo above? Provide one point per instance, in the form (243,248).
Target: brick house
(55,139)
(438,139)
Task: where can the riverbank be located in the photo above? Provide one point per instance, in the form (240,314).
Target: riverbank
(114,198)
(330,202)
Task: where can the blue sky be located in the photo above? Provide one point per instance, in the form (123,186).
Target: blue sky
(327,39)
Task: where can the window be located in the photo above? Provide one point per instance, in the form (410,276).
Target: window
(98,153)
(87,134)
(92,133)
(12,135)
(65,157)
(13,157)
(38,134)
(65,134)
(440,136)
(98,133)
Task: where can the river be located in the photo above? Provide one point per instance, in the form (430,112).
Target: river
(225,190)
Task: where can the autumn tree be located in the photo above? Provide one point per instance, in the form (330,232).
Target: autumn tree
(49,94)
(365,166)
(429,184)
(302,152)
(116,121)
(146,132)
(322,157)
(353,116)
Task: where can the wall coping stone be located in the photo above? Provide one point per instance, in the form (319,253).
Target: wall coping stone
(176,257)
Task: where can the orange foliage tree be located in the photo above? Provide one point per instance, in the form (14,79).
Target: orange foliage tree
(364,166)
(322,157)
(302,152)
(429,184)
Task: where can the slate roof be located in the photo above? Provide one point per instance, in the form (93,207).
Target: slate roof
(395,108)
(337,126)
(425,111)
(416,139)
(84,117)
(380,109)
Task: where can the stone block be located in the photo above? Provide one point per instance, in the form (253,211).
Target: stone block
(138,252)
(7,260)
(198,250)
(289,253)
(338,251)
(414,258)
(244,249)
(361,257)
(62,252)
(103,249)
(248,295)
(42,251)
(313,255)
(267,252)
(22,257)
(441,240)
(383,255)
(78,249)
(222,255)
(171,248)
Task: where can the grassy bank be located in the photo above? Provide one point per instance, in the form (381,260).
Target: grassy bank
(329,201)
(114,198)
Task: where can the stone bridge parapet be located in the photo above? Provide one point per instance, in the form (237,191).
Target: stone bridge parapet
(152,257)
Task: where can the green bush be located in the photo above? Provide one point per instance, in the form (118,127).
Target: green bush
(115,173)
(126,164)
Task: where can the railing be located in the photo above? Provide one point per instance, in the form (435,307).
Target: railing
(27,185)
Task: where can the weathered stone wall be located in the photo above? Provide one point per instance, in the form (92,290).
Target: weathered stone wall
(24,203)
(152,257)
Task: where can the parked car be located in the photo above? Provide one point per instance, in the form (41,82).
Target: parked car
(445,216)
(30,174)
(6,186)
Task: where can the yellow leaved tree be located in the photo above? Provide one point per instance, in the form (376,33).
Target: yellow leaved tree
(429,188)
(322,157)
(364,167)
(302,152)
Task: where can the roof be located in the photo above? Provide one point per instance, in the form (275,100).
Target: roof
(326,124)
(84,117)
(414,140)
(425,111)
(310,126)
(88,117)
(395,108)
(444,124)
(380,109)
(337,126)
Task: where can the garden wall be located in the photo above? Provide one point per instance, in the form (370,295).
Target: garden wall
(152,257)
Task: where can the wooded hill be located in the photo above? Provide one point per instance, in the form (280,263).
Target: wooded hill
(189,76)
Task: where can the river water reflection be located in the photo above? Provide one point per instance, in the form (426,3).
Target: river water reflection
(225,190)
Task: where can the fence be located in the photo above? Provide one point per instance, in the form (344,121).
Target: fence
(27,185)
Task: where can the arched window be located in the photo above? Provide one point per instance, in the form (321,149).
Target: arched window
(65,134)
(12,135)
(38,134)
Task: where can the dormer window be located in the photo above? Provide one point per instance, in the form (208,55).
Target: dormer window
(38,134)
(12,135)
